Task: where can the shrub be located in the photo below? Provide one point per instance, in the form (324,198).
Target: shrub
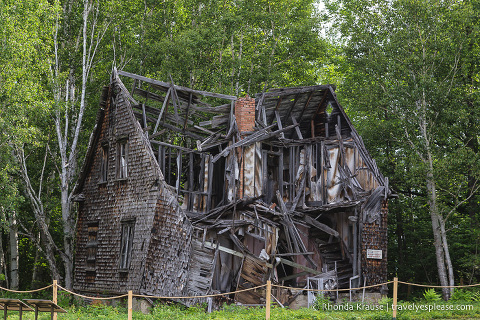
(431,296)
(465,295)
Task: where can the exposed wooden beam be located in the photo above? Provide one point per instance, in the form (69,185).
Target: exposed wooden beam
(304,108)
(210,245)
(299,266)
(321,226)
(177,87)
(292,107)
(161,143)
(165,102)
(288,91)
(293,276)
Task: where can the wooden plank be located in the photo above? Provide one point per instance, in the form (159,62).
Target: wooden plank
(283,208)
(210,245)
(304,108)
(149,95)
(280,173)
(175,99)
(190,182)
(289,91)
(293,254)
(289,112)
(297,129)
(299,266)
(293,276)
(169,168)
(162,110)
(279,122)
(177,87)
(188,109)
(185,132)
(320,226)
(144,116)
(274,114)
(256,137)
(161,143)
(160,160)
(215,121)
(210,181)
(179,171)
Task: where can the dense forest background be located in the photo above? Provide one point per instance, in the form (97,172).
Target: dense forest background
(406,71)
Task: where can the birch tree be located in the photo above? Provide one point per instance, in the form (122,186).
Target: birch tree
(70,108)
(405,57)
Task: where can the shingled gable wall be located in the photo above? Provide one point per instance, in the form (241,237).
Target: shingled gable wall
(143,197)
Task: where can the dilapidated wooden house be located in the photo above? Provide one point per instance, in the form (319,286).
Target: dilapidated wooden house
(186,192)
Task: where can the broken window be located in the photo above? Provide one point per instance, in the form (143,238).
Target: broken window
(122,159)
(198,181)
(291,172)
(92,243)
(126,243)
(104,164)
(272,179)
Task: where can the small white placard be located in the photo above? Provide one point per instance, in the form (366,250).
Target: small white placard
(374,254)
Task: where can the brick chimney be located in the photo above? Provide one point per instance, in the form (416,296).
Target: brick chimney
(245,114)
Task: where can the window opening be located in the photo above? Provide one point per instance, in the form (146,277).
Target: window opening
(104,164)
(122,160)
(126,243)
(92,245)
(329,109)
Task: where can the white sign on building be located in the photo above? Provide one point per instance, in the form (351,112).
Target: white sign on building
(374,254)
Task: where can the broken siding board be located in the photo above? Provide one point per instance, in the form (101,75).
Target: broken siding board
(249,171)
(258,136)
(253,273)
(201,268)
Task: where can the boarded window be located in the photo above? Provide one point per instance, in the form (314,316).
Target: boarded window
(126,243)
(122,159)
(92,245)
(104,164)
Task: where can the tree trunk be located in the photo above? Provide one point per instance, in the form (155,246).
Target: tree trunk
(35,281)
(437,236)
(13,233)
(67,238)
(3,266)
(432,202)
(48,245)
(451,281)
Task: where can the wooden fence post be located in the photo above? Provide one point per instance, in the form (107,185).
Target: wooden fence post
(130,305)
(395,291)
(55,297)
(268,295)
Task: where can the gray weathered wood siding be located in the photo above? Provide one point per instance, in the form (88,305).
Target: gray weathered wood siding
(139,197)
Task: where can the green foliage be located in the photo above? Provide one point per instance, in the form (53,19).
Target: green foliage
(466,295)
(174,312)
(397,54)
(431,296)
(320,302)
